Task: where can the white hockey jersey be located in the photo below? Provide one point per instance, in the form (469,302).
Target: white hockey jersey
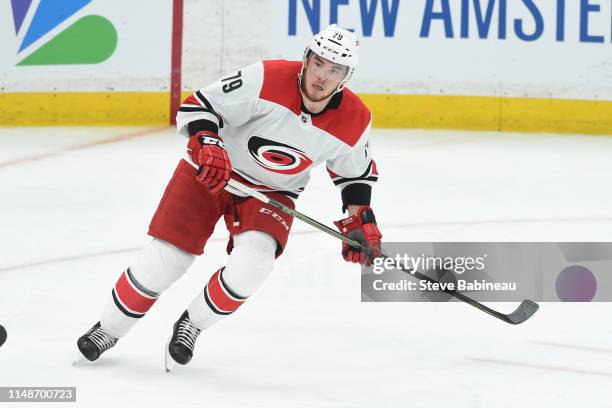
(271,140)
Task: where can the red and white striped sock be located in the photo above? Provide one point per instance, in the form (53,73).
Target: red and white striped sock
(131,298)
(217,300)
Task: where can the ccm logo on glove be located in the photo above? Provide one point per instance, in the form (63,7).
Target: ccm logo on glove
(208,152)
(361,228)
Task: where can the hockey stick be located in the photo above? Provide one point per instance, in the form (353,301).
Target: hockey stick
(524,311)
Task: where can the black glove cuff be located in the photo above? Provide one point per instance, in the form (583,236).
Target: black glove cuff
(199,125)
(356,194)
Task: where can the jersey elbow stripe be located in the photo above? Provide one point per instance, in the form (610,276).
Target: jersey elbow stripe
(185,108)
(369,176)
(204,102)
(346,182)
(190,114)
(332,174)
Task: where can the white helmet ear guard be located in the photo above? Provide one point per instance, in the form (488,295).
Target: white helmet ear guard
(337,45)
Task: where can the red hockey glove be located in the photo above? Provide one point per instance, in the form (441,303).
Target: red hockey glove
(207,151)
(361,228)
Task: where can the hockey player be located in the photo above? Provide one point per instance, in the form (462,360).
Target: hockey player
(265,126)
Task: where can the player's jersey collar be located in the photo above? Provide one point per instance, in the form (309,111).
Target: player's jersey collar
(334,103)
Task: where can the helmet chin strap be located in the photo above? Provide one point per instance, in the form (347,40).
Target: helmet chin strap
(342,85)
(347,77)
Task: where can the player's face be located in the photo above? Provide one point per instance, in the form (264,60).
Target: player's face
(321,78)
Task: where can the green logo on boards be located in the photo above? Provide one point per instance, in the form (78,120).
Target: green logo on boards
(90,40)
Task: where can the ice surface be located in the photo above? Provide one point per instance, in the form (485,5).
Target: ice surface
(74,211)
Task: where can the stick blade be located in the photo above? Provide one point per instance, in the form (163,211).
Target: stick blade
(526,309)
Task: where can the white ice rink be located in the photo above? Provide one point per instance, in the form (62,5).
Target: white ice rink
(75,204)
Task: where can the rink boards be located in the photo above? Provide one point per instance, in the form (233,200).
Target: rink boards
(536,66)
(389,111)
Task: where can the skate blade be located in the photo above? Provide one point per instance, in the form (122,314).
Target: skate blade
(78,358)
(169,362)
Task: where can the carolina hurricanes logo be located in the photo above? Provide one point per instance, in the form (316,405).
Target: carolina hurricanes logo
(278,157)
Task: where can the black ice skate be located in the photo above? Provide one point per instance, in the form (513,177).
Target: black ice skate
(95,342)
(180,346)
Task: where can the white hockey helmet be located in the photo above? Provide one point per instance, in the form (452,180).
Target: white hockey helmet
(337,45)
